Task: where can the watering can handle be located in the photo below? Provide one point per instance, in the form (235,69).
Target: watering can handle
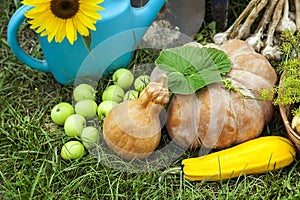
(12,30)
(145,15)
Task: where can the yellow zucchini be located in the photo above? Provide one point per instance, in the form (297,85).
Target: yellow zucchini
(255,156)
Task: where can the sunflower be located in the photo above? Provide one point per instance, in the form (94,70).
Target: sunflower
(63,18)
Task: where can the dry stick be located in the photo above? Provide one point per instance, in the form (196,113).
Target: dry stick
(245,12)
(271,52)
(256,39)
(244,31)
(219,38)
(297,6)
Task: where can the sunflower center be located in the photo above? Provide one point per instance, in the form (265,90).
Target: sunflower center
(64,9)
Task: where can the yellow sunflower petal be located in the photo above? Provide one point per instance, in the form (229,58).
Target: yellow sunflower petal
(37,14)
(70,31)
(52,25)
(40,29)
(86,20)
(75,35)
(91,7)
(61,32)
(44,33)
(42,24)
(38,17)
(92,2)
(35,3)
(50,35)
(37,10)
(90,13)
(38,26)
(52,28)
(41,4)
(82,29)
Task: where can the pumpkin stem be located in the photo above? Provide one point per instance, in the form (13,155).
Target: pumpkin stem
(157,93)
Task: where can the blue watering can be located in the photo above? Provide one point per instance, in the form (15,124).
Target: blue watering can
(116,37)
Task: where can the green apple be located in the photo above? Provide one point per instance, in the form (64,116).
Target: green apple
(141,82)
(89,136)
(113,93)
(60,112)
(86,108)
(123,77)
(130,95)
(72,150)
(84,91)
(74,125)
(104,108)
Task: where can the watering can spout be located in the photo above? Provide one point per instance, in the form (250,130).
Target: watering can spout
(144,16)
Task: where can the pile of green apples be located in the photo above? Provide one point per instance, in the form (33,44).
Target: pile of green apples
(74,121)
(74,118)
(125,87)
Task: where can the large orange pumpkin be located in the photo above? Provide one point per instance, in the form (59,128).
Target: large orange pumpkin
(217,117)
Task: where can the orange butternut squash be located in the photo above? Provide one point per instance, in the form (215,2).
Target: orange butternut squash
(132,128)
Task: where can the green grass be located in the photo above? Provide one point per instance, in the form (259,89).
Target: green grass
(30,162)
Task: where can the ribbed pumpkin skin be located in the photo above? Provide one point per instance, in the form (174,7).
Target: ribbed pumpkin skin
(220,118)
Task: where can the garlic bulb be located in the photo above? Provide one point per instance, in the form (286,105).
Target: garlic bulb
(296,123)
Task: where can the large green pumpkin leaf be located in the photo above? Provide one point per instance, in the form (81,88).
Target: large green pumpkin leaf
(191,68)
